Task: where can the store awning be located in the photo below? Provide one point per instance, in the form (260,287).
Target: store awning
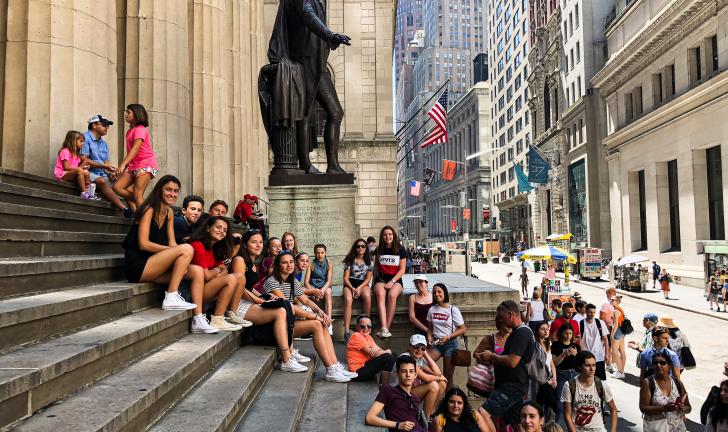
(716,249)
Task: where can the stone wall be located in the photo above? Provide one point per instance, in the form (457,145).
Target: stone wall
(192,63)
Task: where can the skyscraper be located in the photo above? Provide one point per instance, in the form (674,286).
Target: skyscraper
(508,25)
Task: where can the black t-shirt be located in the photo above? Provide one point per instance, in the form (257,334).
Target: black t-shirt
(515,380)
(569,362)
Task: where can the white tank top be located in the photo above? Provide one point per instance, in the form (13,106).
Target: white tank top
(537,310)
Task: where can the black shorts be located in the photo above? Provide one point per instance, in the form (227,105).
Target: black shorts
(601,371)
(383,278)
(134,263)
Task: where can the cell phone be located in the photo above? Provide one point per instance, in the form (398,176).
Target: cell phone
(227,261)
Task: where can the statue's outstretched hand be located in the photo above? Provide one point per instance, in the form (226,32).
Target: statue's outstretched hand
(338,39)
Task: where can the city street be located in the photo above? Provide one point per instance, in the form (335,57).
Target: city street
(706,335)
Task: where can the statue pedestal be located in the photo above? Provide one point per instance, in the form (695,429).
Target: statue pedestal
(315,214)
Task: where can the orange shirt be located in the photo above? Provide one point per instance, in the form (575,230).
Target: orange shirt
(620,319)
(357,352)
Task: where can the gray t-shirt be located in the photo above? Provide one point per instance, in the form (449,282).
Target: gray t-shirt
(444,320)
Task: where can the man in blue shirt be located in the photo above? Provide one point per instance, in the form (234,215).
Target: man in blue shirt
(95,152)
(660,342)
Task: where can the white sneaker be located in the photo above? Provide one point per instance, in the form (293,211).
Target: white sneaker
(292,366)
(174,301)
(219,323)
(201,325)
(618,374)
(331,329)
(345,371)
(333,374)
(385,334)
(300,357)
(610,368)
(235,319)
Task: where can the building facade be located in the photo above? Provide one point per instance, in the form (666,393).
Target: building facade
(568,120)
(469,131)
(508,27)
(664,86)
(408,42)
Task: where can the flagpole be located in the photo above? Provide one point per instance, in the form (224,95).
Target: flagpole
(420,128)
(437,92)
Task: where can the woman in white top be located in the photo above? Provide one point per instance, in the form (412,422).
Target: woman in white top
(444,325)
(536,310)
(663,399)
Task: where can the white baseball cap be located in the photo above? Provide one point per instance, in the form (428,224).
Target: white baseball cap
(418,339)
(421,277)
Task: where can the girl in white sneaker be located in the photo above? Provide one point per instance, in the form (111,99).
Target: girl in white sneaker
(213,245)
(283,284)
(151,254)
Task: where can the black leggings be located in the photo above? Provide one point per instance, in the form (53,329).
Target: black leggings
(384,362)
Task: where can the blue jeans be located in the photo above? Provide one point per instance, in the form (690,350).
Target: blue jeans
(448,348)
(562,376)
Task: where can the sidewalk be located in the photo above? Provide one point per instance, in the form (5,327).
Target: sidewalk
(682,297)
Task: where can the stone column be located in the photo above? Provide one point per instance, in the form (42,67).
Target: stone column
(62,58)
(156,75)
(210,56)
(615,204)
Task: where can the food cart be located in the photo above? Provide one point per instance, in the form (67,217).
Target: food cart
(561,241)
(551,254)
(590,262)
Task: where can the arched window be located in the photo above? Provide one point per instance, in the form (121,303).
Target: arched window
(546,106)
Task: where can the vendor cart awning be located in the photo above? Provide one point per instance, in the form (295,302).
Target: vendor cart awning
(558,237)
(546,253)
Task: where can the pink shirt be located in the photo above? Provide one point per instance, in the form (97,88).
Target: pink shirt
(551,273)
(145,157)
(73,162)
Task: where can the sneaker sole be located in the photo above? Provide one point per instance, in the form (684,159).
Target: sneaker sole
(292,371)
(341,380)
(205,331)
(178,308)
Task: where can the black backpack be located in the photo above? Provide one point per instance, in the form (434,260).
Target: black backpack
(599,327)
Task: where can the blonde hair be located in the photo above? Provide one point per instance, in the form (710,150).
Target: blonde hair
(70,142)
(552,427)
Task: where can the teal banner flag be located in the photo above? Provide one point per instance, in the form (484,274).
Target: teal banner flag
(523,185)
(538,167)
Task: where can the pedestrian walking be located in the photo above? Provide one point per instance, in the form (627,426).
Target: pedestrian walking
(583,396)
(665,280)
(564,351)
(655,273)
(678,342)
(717,420)
(594,339)
(523,277)
(619,356)
(714,289)
(536,310)
(649,321)
(663,399)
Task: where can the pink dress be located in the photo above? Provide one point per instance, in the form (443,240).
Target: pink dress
(73,162)
(145,160)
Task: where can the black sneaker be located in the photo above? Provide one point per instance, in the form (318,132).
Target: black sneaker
(128,213)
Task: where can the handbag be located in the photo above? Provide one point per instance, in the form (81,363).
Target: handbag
(461,357)
(626,326)
(687,360)
(481,378)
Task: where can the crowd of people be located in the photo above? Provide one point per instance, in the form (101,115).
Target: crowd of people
(540,368)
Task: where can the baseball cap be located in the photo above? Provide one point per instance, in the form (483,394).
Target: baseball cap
(247,196)
(421,277)
(254,198)
(651,317)
(101,119)
(418,339)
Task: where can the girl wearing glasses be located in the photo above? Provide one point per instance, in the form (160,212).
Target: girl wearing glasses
(365,357)
(357,275)
(663,399)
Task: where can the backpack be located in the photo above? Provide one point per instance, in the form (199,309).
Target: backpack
(539,370)
(599,327)
(597,382)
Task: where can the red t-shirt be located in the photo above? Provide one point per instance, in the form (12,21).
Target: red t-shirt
(203,257)
(558,322)
(243,211)
(388,261)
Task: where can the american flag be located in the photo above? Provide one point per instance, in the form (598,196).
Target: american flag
(415,188)
(438,113)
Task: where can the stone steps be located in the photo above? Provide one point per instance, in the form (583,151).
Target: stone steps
(37,375)
(24,242)
(16,216)
(29,275)
(20,178)
(32,318)
(325,404)
(224,396)
(29,196)
(279,404)
(139,394)
(360,398)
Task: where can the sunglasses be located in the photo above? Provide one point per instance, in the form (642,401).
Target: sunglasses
(361,246)
(365,326)
(420,347)
(659,362)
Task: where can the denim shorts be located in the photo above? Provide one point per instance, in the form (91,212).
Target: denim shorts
(618,335)
(448,348)
(93,177)
(504,405)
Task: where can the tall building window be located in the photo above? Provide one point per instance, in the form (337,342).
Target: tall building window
(643,209)
(577,202)
(715,193)
(657,95)
(696,72)
(546,107)
(548,210)
(578,52)
(674,204)
(714,52)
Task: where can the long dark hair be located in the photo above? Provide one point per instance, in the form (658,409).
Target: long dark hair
(351,256)
(154,199)
(719,411)
(222,249)
(249,260)
(465,419)
(277,275)
(395,241)
(140,114)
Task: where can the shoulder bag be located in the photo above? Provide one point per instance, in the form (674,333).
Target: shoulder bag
(461,357)
(626,326)
(481,377)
